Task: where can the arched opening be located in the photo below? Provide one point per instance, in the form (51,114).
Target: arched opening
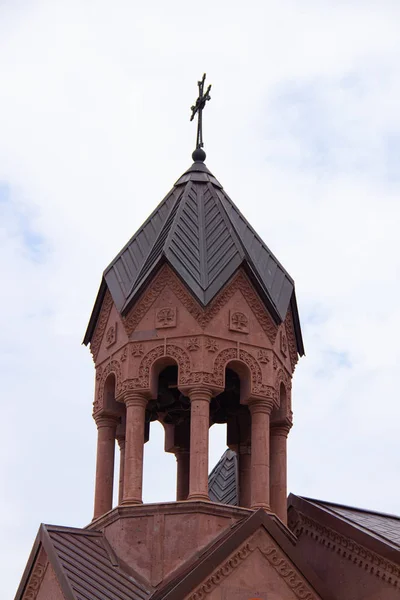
(279,414)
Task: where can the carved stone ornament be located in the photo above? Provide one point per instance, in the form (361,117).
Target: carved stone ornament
(284,343)
(101,325)
(111,335)
(262,356)
(274,362)
(276,558)
(166,317)
(238,321)
(112,367)
(166,277)
(347,549)
(35,581)
(193,344)
(217,377)
(124,354)
(137,350)
(291,337)
(212,345)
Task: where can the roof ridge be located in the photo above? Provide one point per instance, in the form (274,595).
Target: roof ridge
(361,510)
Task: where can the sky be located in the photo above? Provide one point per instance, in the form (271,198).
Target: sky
(303,131)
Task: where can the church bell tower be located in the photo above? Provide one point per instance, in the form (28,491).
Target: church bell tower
(195,323)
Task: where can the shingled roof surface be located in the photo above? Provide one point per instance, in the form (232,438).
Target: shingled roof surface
(222,481)
(380,524)
(86,566)
(199,231)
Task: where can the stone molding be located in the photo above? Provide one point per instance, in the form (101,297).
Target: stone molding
(291,339)
(101,325)
(275,557)
(166,277)
(35,582)
(346,548)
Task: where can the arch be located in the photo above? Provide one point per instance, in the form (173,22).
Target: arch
(112,368)
(283,387)
(158,358)
(241,359)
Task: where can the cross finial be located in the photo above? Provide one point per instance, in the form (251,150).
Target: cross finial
(199,154)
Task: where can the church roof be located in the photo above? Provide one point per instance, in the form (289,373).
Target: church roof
(200,232)
(222,481)
(85,565)
(381,525)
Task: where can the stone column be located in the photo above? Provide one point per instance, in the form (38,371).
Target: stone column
(121,443)
(199,425)
(182,476)
(278,470)
(106,428)
(260,410)
(244,459)
(134,445)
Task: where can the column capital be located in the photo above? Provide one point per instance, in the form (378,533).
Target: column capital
(106,420)
(132,398)
(121,441)
(260,405)
(281,427)
(199,392)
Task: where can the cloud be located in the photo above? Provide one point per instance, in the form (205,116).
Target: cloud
(302,130)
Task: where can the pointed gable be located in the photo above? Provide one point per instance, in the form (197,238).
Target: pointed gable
(203,236)
(84,565)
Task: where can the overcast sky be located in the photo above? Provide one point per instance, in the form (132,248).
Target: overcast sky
(303,131)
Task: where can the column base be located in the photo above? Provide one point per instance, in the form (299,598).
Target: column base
(199,498)
(130,502)
(261,505)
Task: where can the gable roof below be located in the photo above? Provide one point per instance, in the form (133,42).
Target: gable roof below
(387,527)
(85,565)
(222,481)
(204,237)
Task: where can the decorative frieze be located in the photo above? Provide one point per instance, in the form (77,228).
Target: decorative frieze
(346,548)
(101,325)
(35,582)
(275,557)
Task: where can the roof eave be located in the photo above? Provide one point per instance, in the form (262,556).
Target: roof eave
(95,312)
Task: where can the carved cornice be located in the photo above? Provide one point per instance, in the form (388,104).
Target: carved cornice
(203,316)
(277,559)
(35,582)
(346,548)
(101,325)
(291,337)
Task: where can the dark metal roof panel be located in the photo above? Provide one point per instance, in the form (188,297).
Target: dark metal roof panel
(383,525)
(205,238)
(277,282)
(222,481)
(92,568)
(124,270)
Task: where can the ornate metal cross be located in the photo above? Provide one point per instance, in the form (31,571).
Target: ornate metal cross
(198,109)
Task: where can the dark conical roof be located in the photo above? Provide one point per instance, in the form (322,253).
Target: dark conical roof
(200,232)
